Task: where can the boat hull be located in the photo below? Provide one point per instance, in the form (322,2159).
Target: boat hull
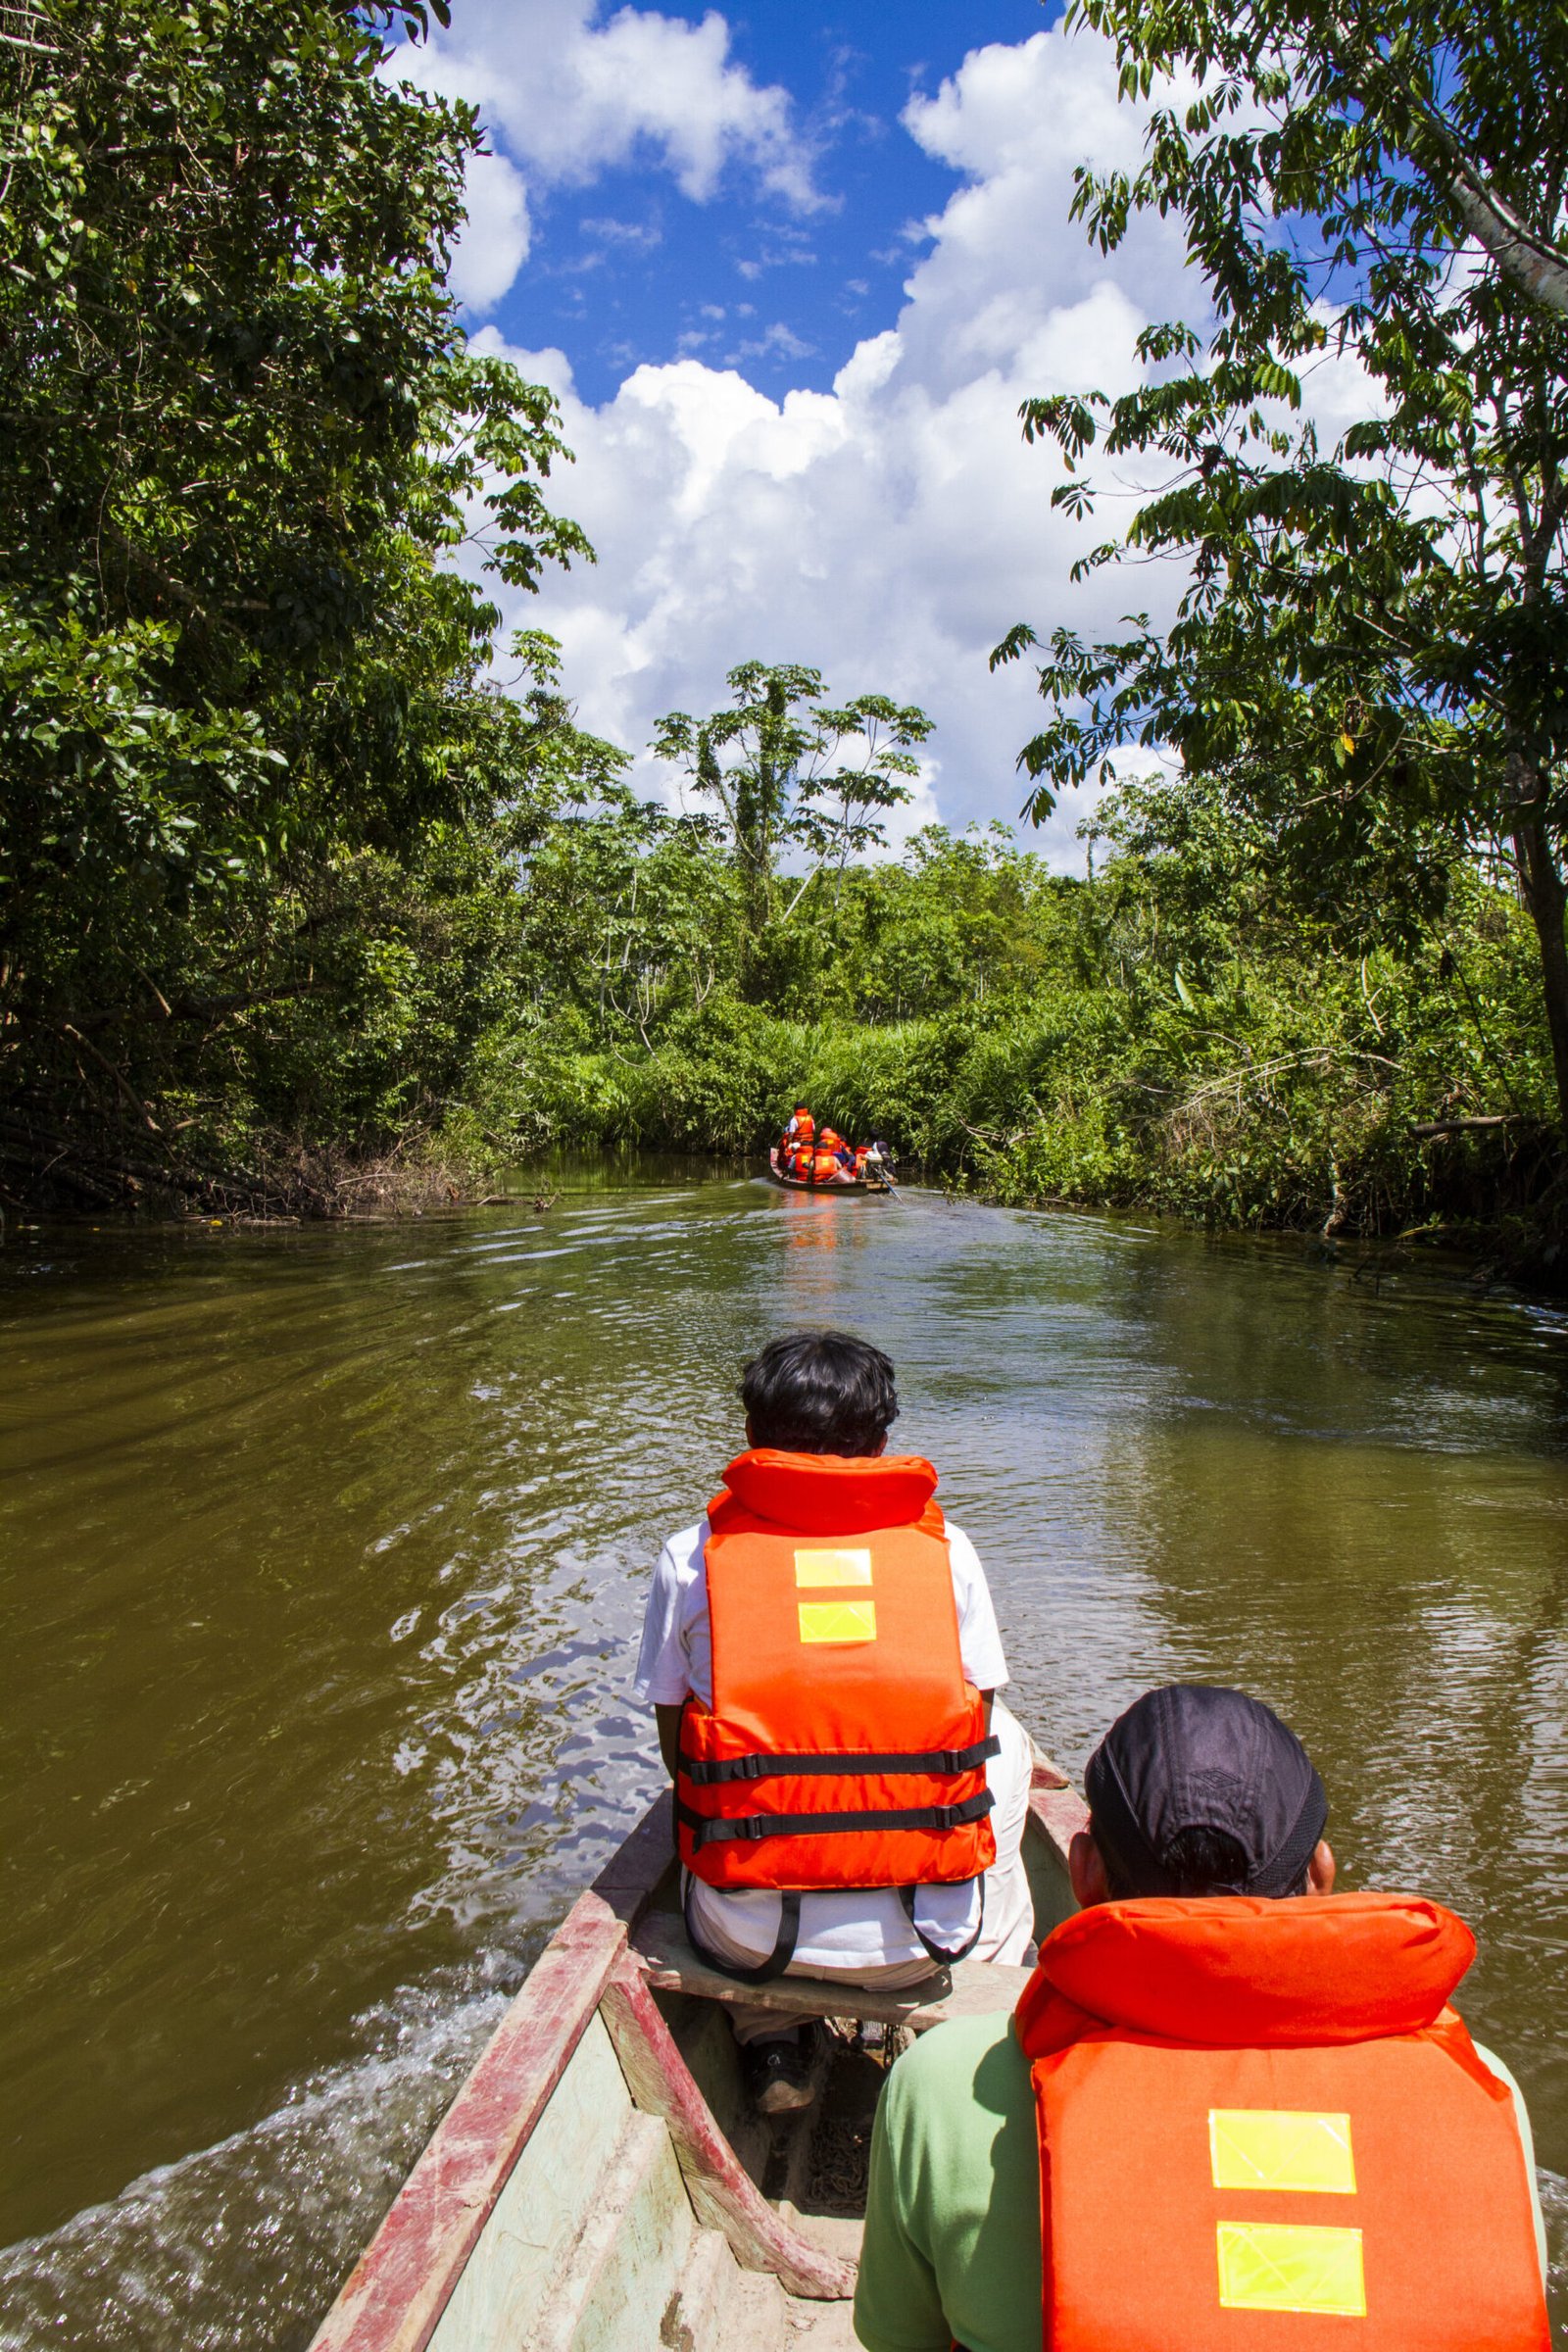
(598,2183)
(830,1184)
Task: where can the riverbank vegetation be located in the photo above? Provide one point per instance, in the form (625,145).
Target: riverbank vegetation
(240,677)
(1177,1031)
(1370,648)
(294,889)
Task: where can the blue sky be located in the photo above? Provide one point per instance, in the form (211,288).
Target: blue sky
(790,273)
(628,268)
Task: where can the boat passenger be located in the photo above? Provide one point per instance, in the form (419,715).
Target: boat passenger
(1216,2102)
(797,1140)
(834,1156)
(824,1555)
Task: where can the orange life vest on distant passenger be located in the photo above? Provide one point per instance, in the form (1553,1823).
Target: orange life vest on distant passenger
(800,1129)
(844,1746)
(1262,2130)
(832,1157)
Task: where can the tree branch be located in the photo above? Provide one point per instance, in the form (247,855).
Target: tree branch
(1501,1118)
(1532,261)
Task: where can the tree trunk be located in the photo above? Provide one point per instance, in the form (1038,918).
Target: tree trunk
(1545,894)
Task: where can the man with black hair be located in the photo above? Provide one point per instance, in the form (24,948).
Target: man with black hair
(1217,2100)
(821,1654)
(820,1391)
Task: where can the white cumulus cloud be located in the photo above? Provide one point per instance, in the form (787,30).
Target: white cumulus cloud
(495,238)
(568,92)
(889,531)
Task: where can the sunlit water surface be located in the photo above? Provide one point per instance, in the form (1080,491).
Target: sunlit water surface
(323,1557)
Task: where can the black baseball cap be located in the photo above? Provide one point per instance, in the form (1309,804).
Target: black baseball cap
(1194,1755)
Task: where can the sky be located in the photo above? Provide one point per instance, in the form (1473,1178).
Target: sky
(790,272)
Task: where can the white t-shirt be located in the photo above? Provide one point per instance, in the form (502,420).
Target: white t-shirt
(843,1926)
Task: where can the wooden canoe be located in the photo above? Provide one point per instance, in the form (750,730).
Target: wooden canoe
(830,1184)
(600,2182)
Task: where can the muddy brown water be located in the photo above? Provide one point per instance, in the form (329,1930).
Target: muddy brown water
(322,1555)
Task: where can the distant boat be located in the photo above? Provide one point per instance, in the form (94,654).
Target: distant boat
(601,2183)
(842,1182)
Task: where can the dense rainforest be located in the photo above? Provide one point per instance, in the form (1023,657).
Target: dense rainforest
(300,908)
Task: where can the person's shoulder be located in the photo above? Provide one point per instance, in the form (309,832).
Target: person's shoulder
(957,2059)
(1527,2141)
(1494,2064)
(683,1551)
(961,1554)
(1504,2074)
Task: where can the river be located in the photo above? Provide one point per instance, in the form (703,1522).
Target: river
(323,1561)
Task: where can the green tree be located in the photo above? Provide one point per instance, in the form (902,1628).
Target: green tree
(1370,648)
(244,440)
(794,775)
(631,911)
(961,920)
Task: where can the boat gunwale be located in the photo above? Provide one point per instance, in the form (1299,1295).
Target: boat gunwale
(393,2298)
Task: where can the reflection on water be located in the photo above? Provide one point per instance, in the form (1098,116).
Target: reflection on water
(324,1562)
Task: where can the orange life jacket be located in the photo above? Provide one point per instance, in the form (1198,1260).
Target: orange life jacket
(1250,2109)
(800,1129)
(844,1746)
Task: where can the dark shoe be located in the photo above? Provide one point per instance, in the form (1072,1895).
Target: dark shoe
(778,2075)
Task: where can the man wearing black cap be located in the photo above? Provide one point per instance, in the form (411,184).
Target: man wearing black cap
(1236,2107)
(1201,1792)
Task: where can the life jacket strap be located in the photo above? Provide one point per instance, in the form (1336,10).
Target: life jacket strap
(819,1825)
(789,1932)
(705,1774)
(941,1953)
(778,1959)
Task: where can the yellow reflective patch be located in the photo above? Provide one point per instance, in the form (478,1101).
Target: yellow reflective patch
(1278,2147)
(837,1620)
(1286,2266)
(832,1568)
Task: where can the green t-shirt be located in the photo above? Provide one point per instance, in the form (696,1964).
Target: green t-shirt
(953,2211)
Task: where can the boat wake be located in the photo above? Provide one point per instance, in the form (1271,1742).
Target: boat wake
(246,2242)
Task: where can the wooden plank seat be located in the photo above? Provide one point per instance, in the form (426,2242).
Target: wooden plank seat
(971,1988)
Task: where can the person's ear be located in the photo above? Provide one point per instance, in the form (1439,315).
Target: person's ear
(750,1435)
(1086,1868)
(1320,1870)
(880,1446)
